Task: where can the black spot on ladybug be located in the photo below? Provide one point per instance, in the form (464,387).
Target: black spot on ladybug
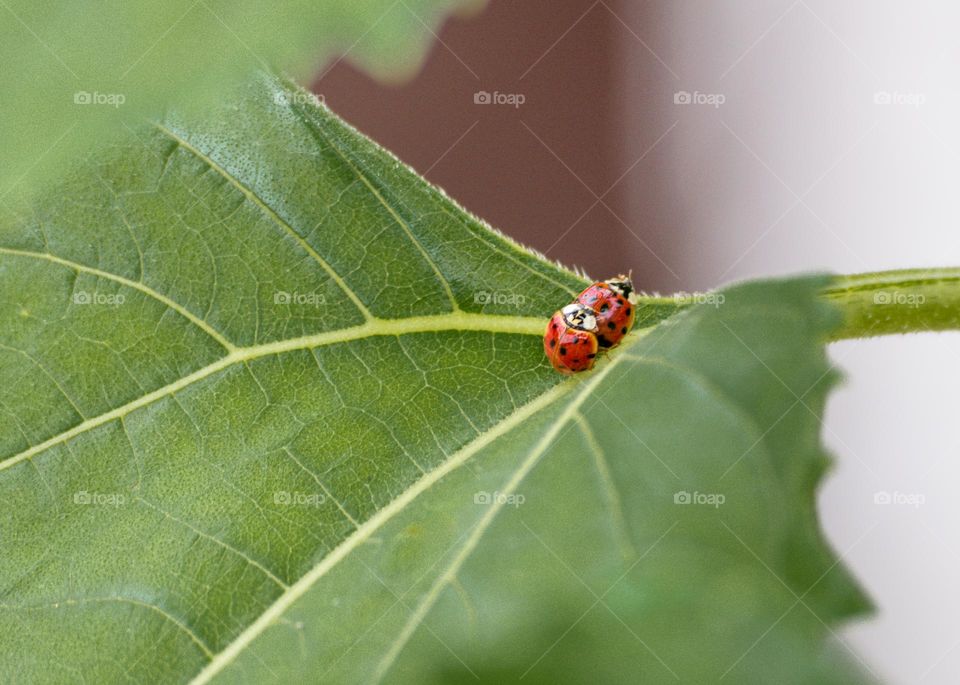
(629,311)
(591,355)
(611,325)
(623,330)
(604,342)
(563,350)
(604,307)
(619,300)
(593,299)
(553,343)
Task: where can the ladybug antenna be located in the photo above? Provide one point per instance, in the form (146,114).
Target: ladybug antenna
(632,295)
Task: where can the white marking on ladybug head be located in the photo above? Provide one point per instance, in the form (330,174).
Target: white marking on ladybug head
(580,317)
(622,285)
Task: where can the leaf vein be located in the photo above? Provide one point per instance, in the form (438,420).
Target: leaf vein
(403,223)
(275,611)
(473,540)
(627,549)
(136,285)
(269,211)
(180,625)
(240,553)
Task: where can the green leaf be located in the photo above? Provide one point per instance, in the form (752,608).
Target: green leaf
(75,72)
(274,409)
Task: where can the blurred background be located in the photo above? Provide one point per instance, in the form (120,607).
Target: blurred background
(699,143)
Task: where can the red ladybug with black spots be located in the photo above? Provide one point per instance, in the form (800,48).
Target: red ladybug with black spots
(613,301)
(570,342)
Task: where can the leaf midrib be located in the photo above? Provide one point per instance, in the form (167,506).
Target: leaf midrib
(458,321)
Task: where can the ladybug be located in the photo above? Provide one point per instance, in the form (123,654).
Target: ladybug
(569,341)
(614,303)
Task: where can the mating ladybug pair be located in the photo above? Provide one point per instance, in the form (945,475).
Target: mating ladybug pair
(599,318)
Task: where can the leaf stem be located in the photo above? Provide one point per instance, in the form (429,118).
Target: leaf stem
(878,303)
(887,302)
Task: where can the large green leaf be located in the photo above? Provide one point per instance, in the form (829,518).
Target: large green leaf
(274,409)
(76,71)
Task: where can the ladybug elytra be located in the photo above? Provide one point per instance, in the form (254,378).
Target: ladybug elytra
(614,303)
(570,342)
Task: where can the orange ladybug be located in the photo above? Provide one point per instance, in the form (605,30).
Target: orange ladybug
(570,342)
(613,301)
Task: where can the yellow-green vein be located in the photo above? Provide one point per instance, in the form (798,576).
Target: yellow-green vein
(269,211)
(136,285)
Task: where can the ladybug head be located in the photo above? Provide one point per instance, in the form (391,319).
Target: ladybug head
(622,285)
(579,317)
